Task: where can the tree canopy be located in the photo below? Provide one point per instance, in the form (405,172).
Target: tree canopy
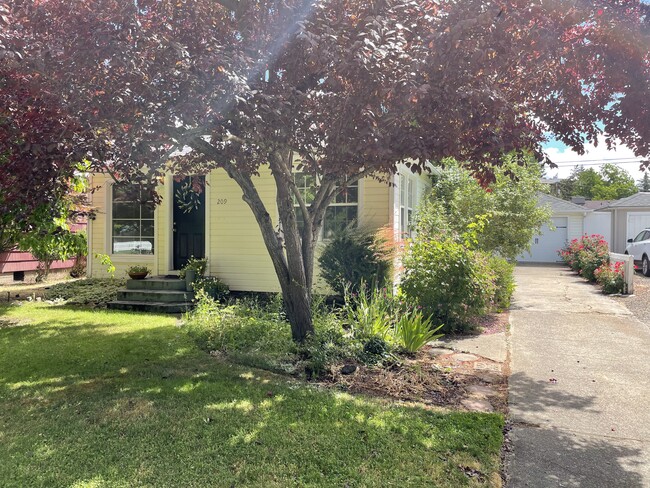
(506,211)
(609,183)
(346,88)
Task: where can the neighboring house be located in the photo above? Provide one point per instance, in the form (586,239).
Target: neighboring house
(223,228)
(18,266)
(570,221)
(629,216)
(597,204)
(21,266)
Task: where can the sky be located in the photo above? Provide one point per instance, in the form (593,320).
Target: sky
(595,157)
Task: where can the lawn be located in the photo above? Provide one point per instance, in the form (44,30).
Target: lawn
(101,398)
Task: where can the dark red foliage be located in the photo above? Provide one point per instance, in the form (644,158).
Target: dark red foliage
(350,87)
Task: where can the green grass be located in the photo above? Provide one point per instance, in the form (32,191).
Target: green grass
(99,398)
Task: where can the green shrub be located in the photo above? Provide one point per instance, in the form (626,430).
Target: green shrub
(255,333)
(370,312)
(91,291)
(586,255)
(213,287)
(412,331)
(233,327)
(451,283)
(200,265)
(381,321)
(611,278)
(352,258)
(504,281)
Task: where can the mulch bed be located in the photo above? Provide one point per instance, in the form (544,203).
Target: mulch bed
(431,378)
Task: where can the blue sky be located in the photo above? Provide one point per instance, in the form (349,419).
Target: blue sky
(594,157)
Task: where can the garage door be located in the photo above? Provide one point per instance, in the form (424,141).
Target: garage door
(544,247)
(636,222)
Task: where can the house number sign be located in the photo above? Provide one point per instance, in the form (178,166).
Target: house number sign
(222,201)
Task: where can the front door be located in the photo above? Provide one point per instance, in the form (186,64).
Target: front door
(189,221)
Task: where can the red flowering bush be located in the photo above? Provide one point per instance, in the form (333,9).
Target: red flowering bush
(586,255)
(611,277)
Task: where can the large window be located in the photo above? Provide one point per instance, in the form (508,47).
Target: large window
(132,226)
(340,214)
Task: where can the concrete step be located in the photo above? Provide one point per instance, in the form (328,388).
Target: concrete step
(151,307)
(156,284)
(147,295)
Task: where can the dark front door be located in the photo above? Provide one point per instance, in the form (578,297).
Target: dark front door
(189,221)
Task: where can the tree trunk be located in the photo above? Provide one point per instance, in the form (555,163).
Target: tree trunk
(291,252)
(297,302)
(297,291)
(289,268)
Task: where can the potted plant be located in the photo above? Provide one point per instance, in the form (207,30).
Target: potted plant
(138,272)
(193,270)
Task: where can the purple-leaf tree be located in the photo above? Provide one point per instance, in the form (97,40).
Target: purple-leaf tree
(344,89)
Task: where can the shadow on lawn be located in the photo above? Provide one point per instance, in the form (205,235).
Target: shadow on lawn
(137,404)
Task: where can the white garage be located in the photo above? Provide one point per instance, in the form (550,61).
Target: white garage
(544,247)
(629,217)
(570,221)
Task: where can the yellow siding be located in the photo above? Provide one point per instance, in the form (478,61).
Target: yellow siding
(375,204)
(237,253)
(235,249)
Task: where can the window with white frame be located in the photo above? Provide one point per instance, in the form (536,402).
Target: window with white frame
(407,201)
(132,221)
(341,213)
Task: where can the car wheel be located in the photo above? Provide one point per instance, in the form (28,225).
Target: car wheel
(645,266)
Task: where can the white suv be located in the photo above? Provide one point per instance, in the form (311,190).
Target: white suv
(639,248)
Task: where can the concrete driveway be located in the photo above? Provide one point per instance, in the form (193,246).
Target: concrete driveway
(579,386)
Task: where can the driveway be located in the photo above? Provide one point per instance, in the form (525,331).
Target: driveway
(580,373)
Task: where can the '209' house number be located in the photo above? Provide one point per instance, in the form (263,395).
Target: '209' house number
(222,201)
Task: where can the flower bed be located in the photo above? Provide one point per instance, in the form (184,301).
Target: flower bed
(586,255)
(589,257)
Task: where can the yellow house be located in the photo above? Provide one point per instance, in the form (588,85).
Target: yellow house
(224,229)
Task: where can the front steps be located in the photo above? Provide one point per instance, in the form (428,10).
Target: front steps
(155,295)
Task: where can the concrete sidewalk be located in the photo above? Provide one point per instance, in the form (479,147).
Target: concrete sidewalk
(579,386)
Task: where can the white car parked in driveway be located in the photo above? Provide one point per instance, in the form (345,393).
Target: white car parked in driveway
(639,249)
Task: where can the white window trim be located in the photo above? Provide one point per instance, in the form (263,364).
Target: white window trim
(359,205)
(108,246)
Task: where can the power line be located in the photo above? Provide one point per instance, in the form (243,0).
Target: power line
(595,163)
(604,159)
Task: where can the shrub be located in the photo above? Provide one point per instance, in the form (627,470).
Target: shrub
(611,278)
(200,265)
(586,254)
(213,287)
(504,281)
(256,339)
(256,334)
(370,312)
(412,331)
(451,283)
(91,291)
(352,258)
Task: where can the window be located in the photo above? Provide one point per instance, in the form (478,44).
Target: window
(408,198)
(132,225)
(339,214)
